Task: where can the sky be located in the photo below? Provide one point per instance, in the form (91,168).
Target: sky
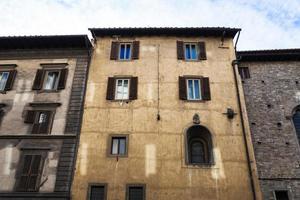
(265,24)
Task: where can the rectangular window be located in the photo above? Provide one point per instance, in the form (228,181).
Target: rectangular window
(3,80)
(281,195)
(118,146)
(136,192)
(191,51)
(194,89)
(125,51)
(41,121)
(122,89)
(30,173)
(51,80)
(97,192)
(244,72)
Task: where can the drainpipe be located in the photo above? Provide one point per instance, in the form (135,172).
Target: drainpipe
(234,64)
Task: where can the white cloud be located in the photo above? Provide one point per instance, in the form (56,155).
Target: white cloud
(265,23)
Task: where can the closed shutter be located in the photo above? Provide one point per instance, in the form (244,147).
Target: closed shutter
(136,193)
(202,50)
(114,52)
(97,193)
(10,80)
(62,79)
(44,126)
(180,51)
(296,120)
(38,81)
(110,92)
(182,88)
(30,116)
(205,88)
(135,50)
(133,88)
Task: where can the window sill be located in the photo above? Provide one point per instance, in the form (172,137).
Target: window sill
(48,91)
(196,101)
(200,165)
(117,156)
(3,91)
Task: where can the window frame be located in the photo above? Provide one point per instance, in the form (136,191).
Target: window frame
(200,89)
(116,87)
(110,145)
(130,51)
(190,45)
(90,185)
(47,71)
(5,71)
(36,121)
(142,185)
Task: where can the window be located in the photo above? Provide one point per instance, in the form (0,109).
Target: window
(244,72)
(41,121)
(191,52)
(199,145)
(118,145)
(281,195)
(3,79)
(296,121)
(136,192)
(30,172)
(125,50)
(7,79)
(122,88)
(97,192)
(193,88)
(50,79)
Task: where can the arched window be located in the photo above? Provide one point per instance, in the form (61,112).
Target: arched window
(199,145)
(296,120)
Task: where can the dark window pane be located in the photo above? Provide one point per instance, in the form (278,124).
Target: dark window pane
(296,120)
(97,193)
(32,183)
(197,89)
(193,52)
(122,143)
(122,51)
(136,193)
(197,152)
(187,52)
(281,195)
(27,163)
(128,51)
(35,164)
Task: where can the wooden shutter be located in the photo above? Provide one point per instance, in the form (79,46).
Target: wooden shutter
(10,80)
(182,88)
(205,88)
(133,88)
(44,127)
(30,116)
(97,192)
(114,53)
(62,79)
(38,81)
(180,50)
(110,92)
(135,50)
(202,50)
(136,193)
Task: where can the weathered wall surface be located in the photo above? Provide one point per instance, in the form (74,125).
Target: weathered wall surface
(156,155)
(271,94)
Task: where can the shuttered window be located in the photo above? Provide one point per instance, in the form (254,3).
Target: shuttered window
(97,192)
(281,195)
(191,51)
(193,88)
(30,173)
(244,72)
(136,192)
(50,80)
(125,50)
(296,120)
(122,88)
(41,121)
(7,79)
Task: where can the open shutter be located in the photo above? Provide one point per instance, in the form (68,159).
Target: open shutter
(25,173)
(135,50)
(133,88)
(10,80)
(205,88)
(114,51)
(62,79)
(34,173)
(202,50)
(44,126)
(38,81)
(111,84)
(30,116)
(180,51)
(182,88)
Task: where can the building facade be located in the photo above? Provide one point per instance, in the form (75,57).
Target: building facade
(271,88)
(163,118)
(42,86)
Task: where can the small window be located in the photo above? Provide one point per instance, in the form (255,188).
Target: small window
(122,89)
(41,121)
(97,192)
(244,72)
(51,80)
(3,80)
(191,51)
(136,192)
(194,89)
(118,145)
(281,195)
(125,51)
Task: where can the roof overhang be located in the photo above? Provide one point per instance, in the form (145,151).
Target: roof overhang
(269,55)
